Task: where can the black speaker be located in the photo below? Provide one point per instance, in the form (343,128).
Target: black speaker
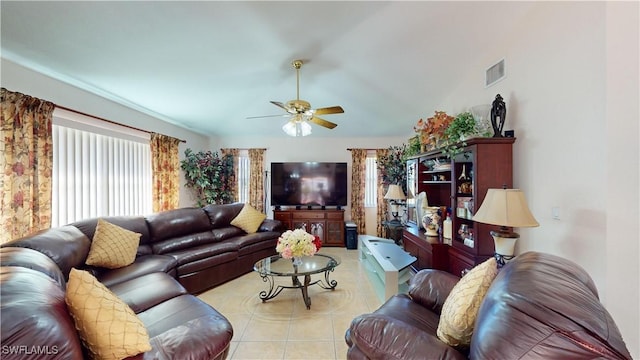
(350,235)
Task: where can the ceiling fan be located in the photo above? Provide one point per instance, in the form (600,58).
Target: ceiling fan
(301,112)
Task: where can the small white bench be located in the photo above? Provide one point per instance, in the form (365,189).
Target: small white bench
(387,265)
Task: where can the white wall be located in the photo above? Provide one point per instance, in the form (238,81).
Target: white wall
(314,149)
(20,79)
(572,98)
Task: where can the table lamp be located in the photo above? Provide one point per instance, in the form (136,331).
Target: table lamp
(505,208)
(395,195)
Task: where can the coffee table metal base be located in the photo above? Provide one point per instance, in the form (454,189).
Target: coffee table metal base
(303,286)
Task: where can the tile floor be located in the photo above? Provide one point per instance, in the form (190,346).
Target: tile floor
(283,328)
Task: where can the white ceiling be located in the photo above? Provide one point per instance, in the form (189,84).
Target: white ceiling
(209,65)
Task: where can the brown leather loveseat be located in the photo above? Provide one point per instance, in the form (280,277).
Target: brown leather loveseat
(539,306)
(181,252)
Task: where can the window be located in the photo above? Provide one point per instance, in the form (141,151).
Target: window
(371,182)
(244,173)
(98,170)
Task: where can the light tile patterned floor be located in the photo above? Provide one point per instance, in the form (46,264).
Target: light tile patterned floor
(282,328)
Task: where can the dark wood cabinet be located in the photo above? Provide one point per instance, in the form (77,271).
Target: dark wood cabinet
(460,184)
(430,252)
(327,224)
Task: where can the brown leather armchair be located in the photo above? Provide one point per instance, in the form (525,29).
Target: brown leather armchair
(540,306)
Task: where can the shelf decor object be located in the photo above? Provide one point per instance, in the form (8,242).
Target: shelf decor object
(396,197)
(432,130)
(498,115)
(506,208)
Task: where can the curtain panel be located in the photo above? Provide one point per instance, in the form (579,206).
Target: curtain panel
(236,156)
(256,181)
(382,203)
(165,169)
(358,179)
(26,163)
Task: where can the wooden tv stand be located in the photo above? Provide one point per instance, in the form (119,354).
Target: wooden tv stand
(328,223)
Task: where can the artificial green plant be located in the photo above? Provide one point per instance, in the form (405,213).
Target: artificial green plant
(210,176)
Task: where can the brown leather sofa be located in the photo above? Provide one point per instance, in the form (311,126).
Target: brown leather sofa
(540,306)
(181,252)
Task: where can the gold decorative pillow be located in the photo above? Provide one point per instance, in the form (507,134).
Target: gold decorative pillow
(108,327)
(112,246)
(460,309)
(249,219)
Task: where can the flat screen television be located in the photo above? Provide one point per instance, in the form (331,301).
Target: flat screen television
(308,184)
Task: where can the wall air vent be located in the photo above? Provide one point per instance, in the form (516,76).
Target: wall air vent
(494,73)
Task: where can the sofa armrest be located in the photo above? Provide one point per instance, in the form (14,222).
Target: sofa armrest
(271,225)
(430,288)
(383,337)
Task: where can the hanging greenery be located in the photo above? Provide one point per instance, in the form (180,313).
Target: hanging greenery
(393,167)
(210,176)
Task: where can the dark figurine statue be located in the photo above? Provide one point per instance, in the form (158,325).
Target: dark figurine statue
(498,115)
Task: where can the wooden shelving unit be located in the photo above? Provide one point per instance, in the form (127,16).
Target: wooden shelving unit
(461,186)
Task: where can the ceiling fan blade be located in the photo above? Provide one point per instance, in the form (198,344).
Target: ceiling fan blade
(323,122)
(266,116)
(279,104)
(329,110)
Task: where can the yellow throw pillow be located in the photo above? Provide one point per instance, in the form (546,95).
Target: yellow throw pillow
(460,309)
(108,327)
(249,219)
(112,246)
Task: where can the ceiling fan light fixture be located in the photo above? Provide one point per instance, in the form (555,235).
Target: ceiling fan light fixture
(297,128)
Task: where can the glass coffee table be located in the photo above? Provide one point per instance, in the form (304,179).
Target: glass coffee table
(275,265)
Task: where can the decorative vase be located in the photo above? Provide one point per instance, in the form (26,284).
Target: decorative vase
(296,261)
(426,221)
(430,222)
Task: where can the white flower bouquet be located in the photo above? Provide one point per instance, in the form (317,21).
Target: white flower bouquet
(297,243)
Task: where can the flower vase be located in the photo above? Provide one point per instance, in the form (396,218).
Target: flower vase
(296,261)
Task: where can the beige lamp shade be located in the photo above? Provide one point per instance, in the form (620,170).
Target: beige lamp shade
(395,193)
(505,207)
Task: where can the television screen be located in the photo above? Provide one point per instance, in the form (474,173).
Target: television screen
(308,184)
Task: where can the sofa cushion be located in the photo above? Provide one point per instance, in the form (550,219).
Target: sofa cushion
(545,307)
(143,265)
(112,246)
(402,308)
(430,288)
(204,251)
(34,313)
(176,223)
(183,242)
(461,307)
(148,290)
(29,258)
(383,337)
(249,219)
(208,262)
(185,325)
(66,246)
(250,243)
(108,327)
(226,232)
(221,215)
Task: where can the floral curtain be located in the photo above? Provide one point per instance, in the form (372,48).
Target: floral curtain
(165,166)
(358,179)
(26,162)
(256,181)
(235,153)
(382,203)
